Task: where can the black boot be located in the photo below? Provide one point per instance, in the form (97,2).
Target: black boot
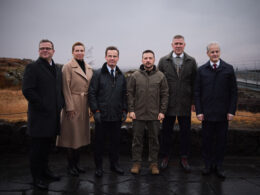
(72,170)
(76,158)
(40,184)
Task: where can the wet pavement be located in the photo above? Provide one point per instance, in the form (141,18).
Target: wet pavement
(243,178)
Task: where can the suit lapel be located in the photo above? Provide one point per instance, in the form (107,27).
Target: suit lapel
(184,66)
(171,66)
(221,65)
(77,69)
(88,72)
(43,65)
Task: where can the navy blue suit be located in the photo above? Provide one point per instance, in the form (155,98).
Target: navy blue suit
(215,96)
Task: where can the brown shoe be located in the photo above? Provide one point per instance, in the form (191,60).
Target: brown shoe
(154,169)
(136,168)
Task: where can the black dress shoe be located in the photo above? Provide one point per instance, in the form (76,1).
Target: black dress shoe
(38,183)
(48,174)
(99,172)
(80,169)
(185,165)
(206,171)
(164,163)
(220,173)
(115,168)
(73,171)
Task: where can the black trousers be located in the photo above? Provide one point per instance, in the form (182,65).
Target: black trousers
(167,131)
(39,155)
(214,138)
(112,131)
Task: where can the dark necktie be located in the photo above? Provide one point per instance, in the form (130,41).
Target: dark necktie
(112,73)
(53,70)
(214,66)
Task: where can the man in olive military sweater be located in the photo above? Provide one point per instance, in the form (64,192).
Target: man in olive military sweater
(147,103)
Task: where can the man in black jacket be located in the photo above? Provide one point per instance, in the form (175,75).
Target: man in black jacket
(108,102)
(42,88)
(215,101)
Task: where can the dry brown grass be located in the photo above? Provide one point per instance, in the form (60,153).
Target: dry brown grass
(246,120)
(243,120)
(13,105)
(13,108)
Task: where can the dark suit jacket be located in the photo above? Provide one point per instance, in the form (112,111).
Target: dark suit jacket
(215,91)
(45,100)
(108,94)
(180,87)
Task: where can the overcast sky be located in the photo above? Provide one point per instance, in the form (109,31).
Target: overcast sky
(132,26)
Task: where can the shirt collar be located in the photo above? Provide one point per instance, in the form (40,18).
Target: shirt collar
(174,55)
(211,63)
(109,69)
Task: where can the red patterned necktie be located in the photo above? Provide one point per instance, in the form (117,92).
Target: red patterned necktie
(214,66)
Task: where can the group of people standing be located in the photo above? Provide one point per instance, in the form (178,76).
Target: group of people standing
(61,99)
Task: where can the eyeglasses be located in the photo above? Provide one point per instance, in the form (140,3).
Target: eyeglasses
(45,48)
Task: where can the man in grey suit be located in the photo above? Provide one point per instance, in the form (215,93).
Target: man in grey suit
(180,70)
(215,99)
(42,88)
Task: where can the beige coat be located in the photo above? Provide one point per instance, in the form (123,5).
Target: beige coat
(75,133)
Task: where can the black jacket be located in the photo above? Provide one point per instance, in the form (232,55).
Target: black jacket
(108,94)
(42,88)
(215,91)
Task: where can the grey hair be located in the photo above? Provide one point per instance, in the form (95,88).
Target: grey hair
(212,43)
(178,37)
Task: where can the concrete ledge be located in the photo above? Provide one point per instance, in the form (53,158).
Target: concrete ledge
(13,138)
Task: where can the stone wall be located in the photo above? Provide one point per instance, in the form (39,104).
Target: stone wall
(14,138)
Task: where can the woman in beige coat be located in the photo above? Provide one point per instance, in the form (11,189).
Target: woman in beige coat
(75,132)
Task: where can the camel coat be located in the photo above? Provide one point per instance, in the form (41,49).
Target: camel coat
(75,133)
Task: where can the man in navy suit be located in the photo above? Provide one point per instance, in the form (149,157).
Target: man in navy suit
(215,100)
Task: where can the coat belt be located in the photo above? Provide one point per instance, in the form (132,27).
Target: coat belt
(79,93)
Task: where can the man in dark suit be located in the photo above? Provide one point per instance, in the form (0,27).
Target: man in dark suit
(180,71)
(215,101)
(108,102)
(42,88)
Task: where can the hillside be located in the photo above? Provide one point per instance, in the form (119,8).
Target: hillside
(11,72)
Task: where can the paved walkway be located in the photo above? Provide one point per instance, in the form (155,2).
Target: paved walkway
(243,178)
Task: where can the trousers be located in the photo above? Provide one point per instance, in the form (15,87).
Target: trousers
(167,132)
(102,131)
(153,127)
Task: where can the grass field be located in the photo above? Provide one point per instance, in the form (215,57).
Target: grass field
(13,105)
(13,108)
